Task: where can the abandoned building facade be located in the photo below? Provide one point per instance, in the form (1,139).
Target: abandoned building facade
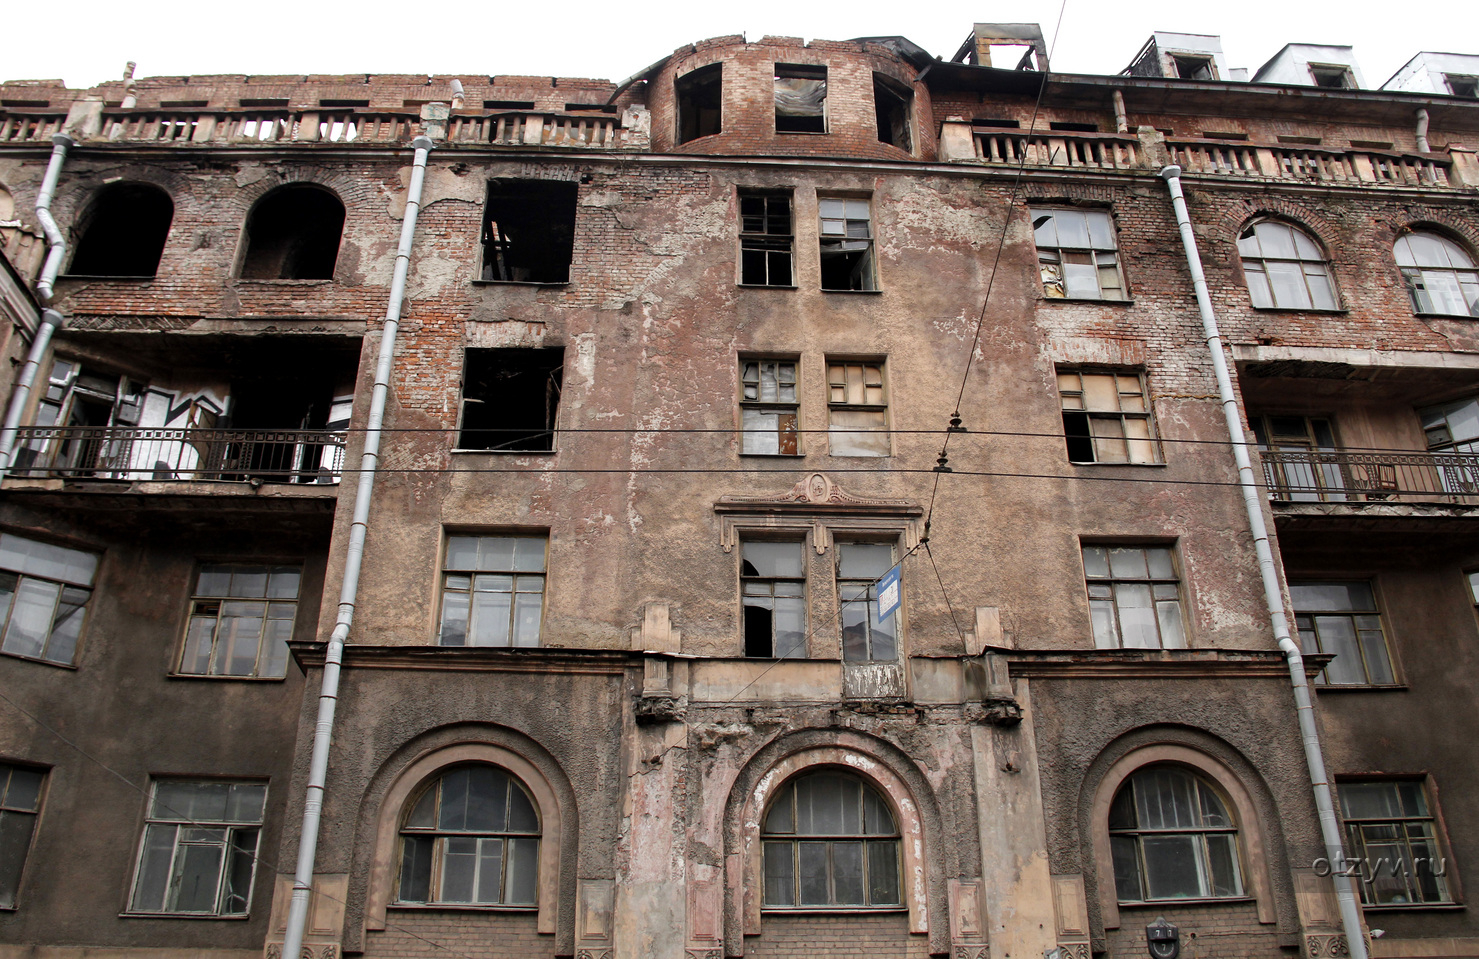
(789,503)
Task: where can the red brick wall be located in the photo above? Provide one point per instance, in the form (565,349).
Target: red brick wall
(471,935)
(1208,931)
(876,936)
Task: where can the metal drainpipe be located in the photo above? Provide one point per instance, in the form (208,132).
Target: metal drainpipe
(1421,132)
(51,320)
(1350,914)
(328,696)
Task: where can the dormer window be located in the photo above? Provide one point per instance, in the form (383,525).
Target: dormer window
(1194,68)
(800,99)
(1462,86)
(1332,76)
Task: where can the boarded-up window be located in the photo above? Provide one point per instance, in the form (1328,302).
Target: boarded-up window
(857,408)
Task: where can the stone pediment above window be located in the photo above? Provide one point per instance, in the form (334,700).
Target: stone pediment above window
(819,505)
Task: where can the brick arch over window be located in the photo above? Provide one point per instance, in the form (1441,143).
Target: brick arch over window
(1254,846)
(1286,265)
(555,819)
(122,230)
(1231,221)
(904,791)
(293,232)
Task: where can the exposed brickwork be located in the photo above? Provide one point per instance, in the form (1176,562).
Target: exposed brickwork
(1208,931)
(883,936)
(473,935)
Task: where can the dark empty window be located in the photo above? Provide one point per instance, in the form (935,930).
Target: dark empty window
(1333,76)
(773,588)
(529,231)
(293,234)
(123,231)
(765,239)
(800,99)
(510,398)
(1065,127)
(891,101)
(846,244)
(1462,86)
(1194,68)
(700,94)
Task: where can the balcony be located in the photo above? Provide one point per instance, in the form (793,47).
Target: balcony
(1371,476)
(189,455)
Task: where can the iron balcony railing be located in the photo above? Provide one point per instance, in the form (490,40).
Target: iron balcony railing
(168,454)
(1371,476)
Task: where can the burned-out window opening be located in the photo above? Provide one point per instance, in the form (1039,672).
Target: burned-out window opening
(1194,68)
(1462,86)
(846,244)
(123,232)
(700,96)
(1066,127)
(773,598)
(510,399)
(800,98)
(997,124)
(766,239)
(529,231)
(768,407)
(78,397)
(508,104)
(293,233)
(1332,76)
(891,102)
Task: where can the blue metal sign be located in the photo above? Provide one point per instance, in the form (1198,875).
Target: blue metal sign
(888,593)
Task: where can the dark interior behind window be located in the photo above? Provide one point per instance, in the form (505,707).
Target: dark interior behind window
(529,231)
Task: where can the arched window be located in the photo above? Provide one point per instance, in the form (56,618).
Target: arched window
(293,234)
(830,840)
(1172,838)
(471,838)
(1285,268)
(1439,274)
(123,231)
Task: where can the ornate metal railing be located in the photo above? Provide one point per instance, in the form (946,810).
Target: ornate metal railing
(1371,476)
(195,455)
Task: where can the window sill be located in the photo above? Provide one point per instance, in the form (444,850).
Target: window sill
(461,451)
(1445,316)
(1338,311)
(1360,687)
(1164,903)
(107,277)
(482,282)
(765,286)
(1085,299)
(264,281)
(241,917)
(1161,465)
(864,292)
(238,679)
(456,907)
(775,456)
(1413,907)
(802,133)
(38,659)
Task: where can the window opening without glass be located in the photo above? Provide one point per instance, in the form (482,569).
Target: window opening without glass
(493,590)
(1194,68)
(1342,618)
(1393,839)
(123,232)
(1333,76)
(865,637)
(471,837)
(830,840)
(1439,274)
(891,103)
(529,231)
(768,407)
(1285,268)
(20,800)
(766,239)
(1106,418)
(1077,254)
(773,596)
(44,591)
(510,399)
(846,244)
(241,618)
(857,409)
(800,98)
(198,855)
(81,396)
(293,233)
(1172,838)
(700,96)
(1462,86)
(1134,597)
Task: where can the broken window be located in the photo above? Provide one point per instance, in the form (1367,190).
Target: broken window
(1342,618)
(510,399)
(865,636)
(471,839)
(293,233)
(1106,417)
(241,618)
(1394,844)
(20,800)
(76,398)
(44,591)
(700,96)
(1172,838)
(830,840)
(1194,68)
(1452,432)
(1077,254)
(800,98)
(768,407)
(846,244)
(123,231)
(1439,274)
(857,408)
(529,231)
(198,855)
(1333,76)
(773,596)
(891,102)
(1285,268)
(1134,597)
(765,239)
(1462,86)
(493,590)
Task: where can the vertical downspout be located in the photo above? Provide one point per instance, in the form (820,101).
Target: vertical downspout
(1420,133)
(328,696)
(51,320)
(1350,914)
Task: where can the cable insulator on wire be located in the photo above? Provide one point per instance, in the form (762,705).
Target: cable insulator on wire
(943,462)
(955,422)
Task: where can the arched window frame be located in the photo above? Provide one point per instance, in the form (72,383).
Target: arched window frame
(1466,277)
(1257,882)
(409,785)
(1313,263)
(244,250)
(96,203)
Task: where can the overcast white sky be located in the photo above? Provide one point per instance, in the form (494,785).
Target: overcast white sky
(88,41)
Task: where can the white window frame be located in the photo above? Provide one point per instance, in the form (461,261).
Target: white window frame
(1108,601)
(449,574)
